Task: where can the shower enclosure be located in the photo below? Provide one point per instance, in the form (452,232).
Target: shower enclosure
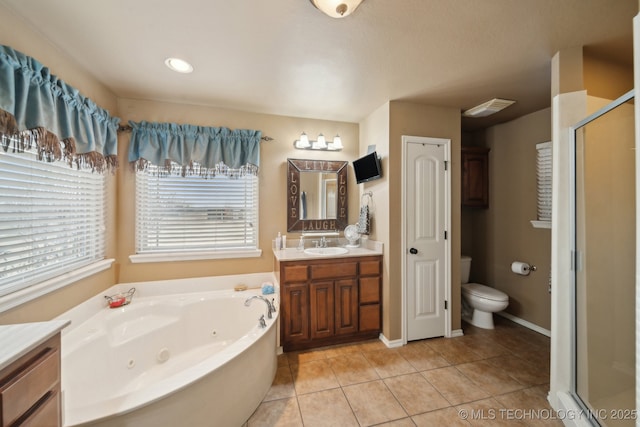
(604,264)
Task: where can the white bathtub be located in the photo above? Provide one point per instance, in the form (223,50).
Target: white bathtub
(183,353)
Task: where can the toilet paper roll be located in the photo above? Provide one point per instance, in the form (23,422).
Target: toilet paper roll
(521,268)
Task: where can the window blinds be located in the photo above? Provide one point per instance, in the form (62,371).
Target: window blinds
(192,213)
(51,219)
(544,173)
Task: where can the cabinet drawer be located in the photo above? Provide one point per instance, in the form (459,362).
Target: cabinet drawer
(295,273)
(369,317)
(328,271)
(47,414)
(370,268)
(369,290)
(29,385)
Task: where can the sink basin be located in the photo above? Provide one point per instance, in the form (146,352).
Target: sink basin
(326,251)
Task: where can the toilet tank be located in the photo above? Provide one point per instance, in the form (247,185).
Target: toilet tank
(465,268)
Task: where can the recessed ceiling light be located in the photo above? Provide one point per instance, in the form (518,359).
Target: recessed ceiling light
(178,65)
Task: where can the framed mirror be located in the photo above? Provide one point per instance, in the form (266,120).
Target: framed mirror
(316,195)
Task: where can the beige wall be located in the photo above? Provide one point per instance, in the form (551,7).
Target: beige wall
(374,130)
(385,128)
(568,108)
(412,119)
(273,159)
(501,234)
(120,214)
(17,34)
(606,79)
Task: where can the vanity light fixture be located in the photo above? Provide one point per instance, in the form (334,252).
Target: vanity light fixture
(336,8)
(178,65)
(321,144)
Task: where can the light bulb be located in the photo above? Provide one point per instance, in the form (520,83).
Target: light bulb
(321,143)
(337,143)
(304,141)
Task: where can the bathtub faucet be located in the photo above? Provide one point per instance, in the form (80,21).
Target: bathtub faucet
(270,307)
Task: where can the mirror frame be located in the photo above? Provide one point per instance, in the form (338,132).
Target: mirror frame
(297,166)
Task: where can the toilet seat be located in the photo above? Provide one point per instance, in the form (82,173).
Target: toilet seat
(484,291)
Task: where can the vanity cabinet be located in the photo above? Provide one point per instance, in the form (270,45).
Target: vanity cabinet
(475,177)
(30,388)
(329,301)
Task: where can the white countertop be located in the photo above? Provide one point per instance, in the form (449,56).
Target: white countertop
(17,340)
(366,248)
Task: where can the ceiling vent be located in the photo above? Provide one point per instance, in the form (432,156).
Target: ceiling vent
(488,108)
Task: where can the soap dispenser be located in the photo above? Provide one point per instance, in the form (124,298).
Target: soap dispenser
(279,241)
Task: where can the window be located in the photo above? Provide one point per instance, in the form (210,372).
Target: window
(544,174)
(52,219)
(194,214)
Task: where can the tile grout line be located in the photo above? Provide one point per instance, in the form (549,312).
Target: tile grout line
(516,354)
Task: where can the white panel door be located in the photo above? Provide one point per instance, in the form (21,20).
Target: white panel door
(425,238)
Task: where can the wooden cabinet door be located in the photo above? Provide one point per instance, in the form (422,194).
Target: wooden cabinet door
(346,307)
(295,312)
(475,177)
(321,309)
(370,317)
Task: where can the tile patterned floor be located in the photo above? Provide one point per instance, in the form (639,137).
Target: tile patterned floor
(484,378)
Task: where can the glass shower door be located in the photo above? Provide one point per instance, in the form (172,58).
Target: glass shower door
(605,269)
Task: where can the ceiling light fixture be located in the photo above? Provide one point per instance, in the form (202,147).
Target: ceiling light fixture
(320,144)
(488,108)
(336,8)
(178,65)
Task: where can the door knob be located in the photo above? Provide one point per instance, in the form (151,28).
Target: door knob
(413,251)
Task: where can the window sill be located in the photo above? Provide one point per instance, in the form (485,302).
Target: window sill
(541,224)
(22,296)
(193,256)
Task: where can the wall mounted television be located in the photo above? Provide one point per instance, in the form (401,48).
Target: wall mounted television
(367,168)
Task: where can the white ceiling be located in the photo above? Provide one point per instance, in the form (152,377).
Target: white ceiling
(286,57)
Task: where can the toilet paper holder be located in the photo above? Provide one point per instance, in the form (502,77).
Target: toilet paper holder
(522,268)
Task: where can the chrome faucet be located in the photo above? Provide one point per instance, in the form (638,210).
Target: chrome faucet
(270,306)
(322,243)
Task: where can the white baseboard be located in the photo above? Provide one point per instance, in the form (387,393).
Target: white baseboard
(391,344)
(525,323)
(456,333)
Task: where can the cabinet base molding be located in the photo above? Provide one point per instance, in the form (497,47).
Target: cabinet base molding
(325,342)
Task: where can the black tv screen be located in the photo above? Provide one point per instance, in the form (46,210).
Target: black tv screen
(367,168)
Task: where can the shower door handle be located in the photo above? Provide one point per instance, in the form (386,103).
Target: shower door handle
(413,251)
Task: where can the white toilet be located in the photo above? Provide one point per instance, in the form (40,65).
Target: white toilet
(482,301)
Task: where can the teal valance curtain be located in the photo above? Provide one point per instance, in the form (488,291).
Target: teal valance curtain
(39,110)
(190,149)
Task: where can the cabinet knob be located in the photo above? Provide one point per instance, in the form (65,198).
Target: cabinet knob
(413,251)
